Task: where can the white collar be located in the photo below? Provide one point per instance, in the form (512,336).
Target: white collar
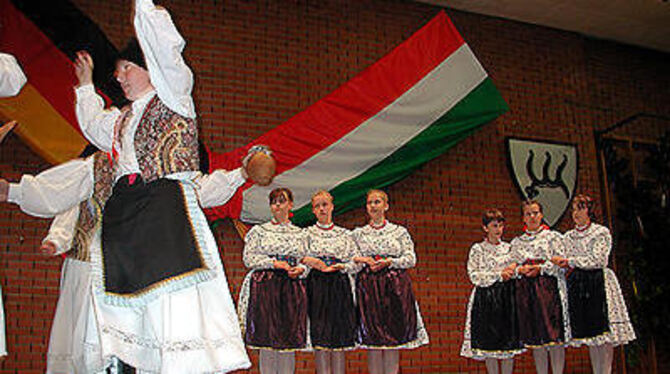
(140,103)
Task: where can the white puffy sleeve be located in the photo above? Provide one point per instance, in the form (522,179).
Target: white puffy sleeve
(162,46)
(218,187)
(95,122)
(407,258)
(12,77)
(54,190)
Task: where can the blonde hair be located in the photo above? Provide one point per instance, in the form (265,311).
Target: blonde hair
(322,193)
(383,194)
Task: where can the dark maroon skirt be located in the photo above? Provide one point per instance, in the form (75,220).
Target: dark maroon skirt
(332,315)
(277,311)
(540,311)
(386,307)
(587,303)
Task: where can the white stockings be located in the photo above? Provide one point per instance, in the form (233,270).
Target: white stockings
(383,361)
(329,362)
(275,362)
(601,358)
(506,366)
(557,354)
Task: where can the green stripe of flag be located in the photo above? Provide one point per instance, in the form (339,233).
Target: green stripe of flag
(481,106)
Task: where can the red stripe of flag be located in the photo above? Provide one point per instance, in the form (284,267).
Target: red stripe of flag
(340,112)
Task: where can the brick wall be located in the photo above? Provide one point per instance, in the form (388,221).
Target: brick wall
(257,63)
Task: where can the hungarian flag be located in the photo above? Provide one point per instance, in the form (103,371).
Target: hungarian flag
(414,104)
(44,36)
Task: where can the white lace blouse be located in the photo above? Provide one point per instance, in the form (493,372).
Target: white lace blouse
(391,241)
(334,242)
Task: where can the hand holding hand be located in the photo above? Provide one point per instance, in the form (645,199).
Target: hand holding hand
(523,269)
(281,265)
(533,271)
(314,263)
(560,261)
(295,272)
(364,260)
(507,273)
(380,264)
(333,268)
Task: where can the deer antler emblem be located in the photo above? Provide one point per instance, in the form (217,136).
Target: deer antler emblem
(545,181)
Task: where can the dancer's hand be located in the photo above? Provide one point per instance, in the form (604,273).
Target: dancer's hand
(523,269)
(295,272)
(314,263)
(6,128)
(281,265)
(380,264)
(364,260)
(83,68)
(48,248)
(533,271)
(507,273)
(333,268)
(560,261)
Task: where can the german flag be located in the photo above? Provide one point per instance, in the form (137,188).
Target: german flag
(44,37)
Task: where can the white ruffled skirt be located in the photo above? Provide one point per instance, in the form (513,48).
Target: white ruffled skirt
(74,344)
(191,330)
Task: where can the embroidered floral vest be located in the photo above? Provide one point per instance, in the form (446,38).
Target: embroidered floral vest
(90,211)
(165,141)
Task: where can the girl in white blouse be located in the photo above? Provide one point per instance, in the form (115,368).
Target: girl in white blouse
(273,301)
(491,328)
(388,311)
(332,315)
(542,303)
(598,314)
